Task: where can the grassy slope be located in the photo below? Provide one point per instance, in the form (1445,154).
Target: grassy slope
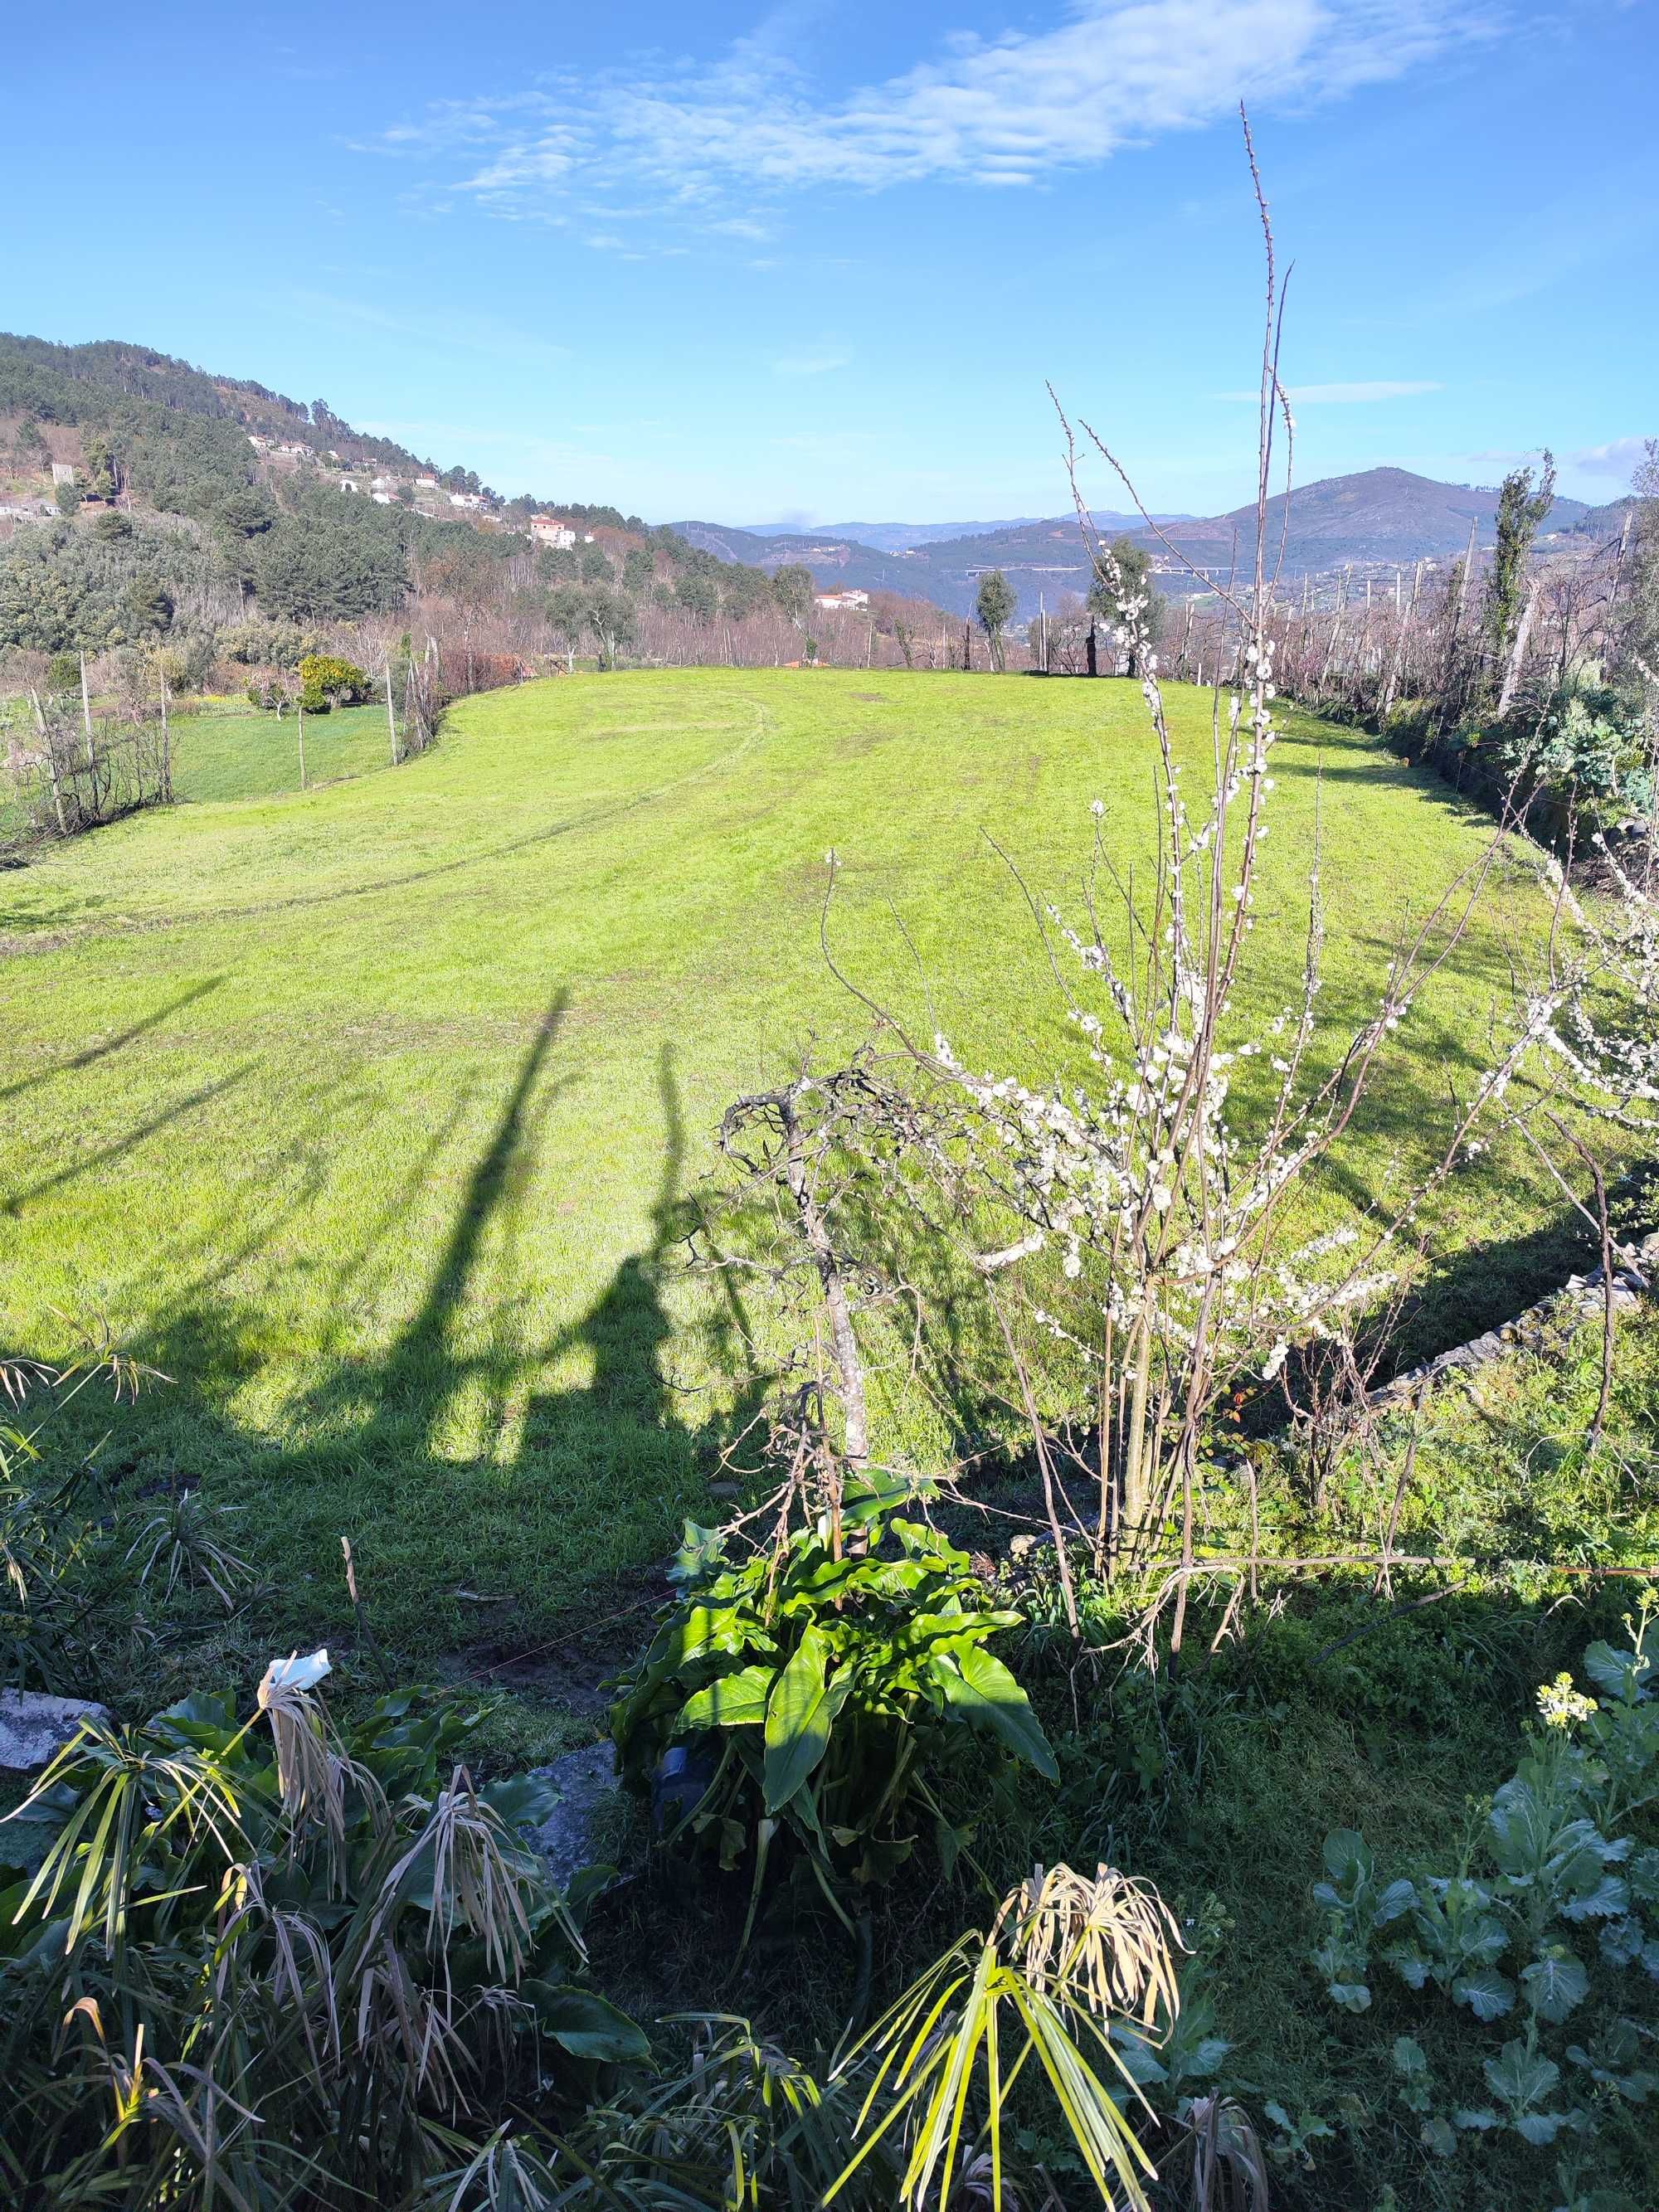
(362,1112)
(236,752)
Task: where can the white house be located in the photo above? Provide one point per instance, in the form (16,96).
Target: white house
(548,530)
(62,472)
(464,498)
(383,499)
(349,484)
(832,602)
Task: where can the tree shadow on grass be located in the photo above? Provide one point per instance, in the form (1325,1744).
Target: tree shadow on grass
(455,1472)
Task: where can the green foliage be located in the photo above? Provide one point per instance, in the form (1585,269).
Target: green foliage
(696,595)
(1546,1910)
(259,641)
(149,607)
(68,499)
(837,1688)
(1134,564)
(1520,508)
(339,558)
(100,465)
(791,587)
(327,681)
(62,588)
(994,606)
(609,616)
(1588,750)
(112,527)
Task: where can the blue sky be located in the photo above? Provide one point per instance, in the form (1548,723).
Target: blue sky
(814,260)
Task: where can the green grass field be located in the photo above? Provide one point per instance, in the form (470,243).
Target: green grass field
(362,1115)
(234,752)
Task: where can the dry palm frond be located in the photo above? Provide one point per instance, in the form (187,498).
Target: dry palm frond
(297,1975)
(310,1777)
(1229,2170)
(478,1875)
(19,1377)
(1107,1946)
(406,2035)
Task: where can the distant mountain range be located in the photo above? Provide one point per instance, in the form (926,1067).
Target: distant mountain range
(904,537)
(1375,519)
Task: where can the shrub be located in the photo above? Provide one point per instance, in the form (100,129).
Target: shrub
(260,643)
(828,1694)
(326,680)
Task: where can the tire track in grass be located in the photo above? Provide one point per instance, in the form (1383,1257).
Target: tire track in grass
(609,811)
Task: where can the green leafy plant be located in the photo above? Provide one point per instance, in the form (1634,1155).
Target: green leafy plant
(326,680)
(835,1687)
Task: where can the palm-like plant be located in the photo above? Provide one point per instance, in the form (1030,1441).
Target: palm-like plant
(1064,1958)
(264,1964)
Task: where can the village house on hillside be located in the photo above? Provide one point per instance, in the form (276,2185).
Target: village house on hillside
(548,530)
(835,602)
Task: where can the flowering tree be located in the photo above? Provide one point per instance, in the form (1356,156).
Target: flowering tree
(1126,1203)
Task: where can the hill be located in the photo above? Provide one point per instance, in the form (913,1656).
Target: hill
(905,536)
(366,1115)
(1377,518)
(1378,515)
(144,501)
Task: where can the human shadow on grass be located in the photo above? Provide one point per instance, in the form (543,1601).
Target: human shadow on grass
(447,1429)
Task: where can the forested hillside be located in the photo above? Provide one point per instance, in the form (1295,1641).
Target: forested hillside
(146,505)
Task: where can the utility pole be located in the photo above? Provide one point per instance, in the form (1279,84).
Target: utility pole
(300,717)
(391,718)
(86,703)
(166,740)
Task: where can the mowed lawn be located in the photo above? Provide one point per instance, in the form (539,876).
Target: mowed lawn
(237,751)
(363,1116)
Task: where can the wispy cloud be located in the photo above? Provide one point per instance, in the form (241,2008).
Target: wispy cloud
(480,333)
(1346,395)
(1005,110)
(811,361)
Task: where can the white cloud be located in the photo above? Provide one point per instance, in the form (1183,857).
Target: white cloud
(1343,395)
(811,361)
(1620,458)
(1004,110)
